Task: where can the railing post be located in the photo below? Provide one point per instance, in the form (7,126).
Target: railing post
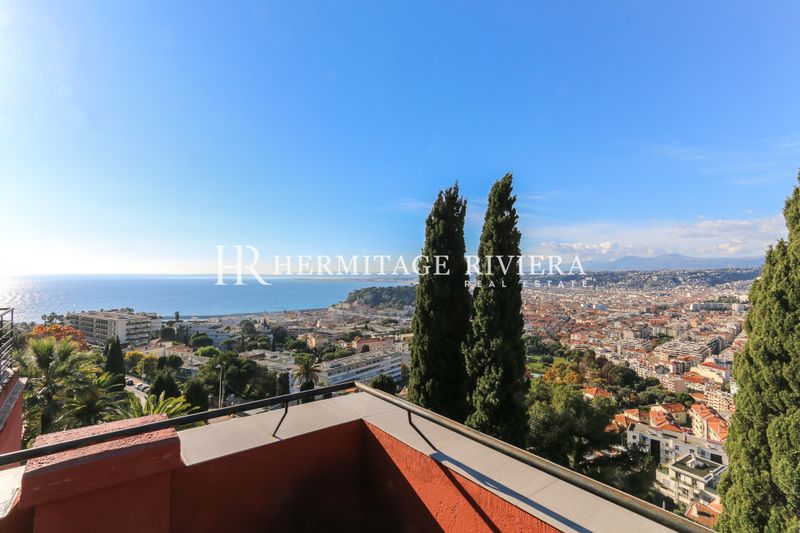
(285,412)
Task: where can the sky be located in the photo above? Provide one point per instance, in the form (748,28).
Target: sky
(137,136)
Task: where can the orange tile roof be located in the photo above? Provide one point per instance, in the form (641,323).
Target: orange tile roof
(705,515)
(674,407)
(698,396)
(597,391)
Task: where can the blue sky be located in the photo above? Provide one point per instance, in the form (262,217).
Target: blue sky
(135,136)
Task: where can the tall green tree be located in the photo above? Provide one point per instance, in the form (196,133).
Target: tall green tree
(115,361)
(761,488)
(437,377)
(200,340)
(385,383)
(196,394)
(565,426)
(495,352)
(165,383)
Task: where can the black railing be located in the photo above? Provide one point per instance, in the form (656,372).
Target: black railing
(42,451)
(6,337)
(631,503)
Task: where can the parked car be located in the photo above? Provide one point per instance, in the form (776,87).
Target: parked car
(129,382)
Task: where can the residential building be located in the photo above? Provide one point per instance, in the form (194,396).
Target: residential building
(593,392)
(361,367)
(719,400)
(707,424)
(704,514)
(673,383)
(374,343)
(690,479)
(133,329)
(712,371)
(678,348)
(214,328)
(677,411)
(667,445)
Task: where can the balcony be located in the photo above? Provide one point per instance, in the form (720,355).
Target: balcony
(361,461)
(11,388)
(6,340)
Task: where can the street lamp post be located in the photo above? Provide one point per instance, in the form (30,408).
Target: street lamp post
(220,384)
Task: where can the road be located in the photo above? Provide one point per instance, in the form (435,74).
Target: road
(139,394)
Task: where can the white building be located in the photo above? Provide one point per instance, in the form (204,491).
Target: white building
(361,367)
(668,445)
(132,328)
(690,478)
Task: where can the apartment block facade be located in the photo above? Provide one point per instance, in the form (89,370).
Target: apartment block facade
(133,329)
(666,446)
(361,367)
(690,479)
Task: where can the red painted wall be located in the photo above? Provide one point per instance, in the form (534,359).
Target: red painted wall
(11,436)
(134,507)
(351,477)
(451,502)
(306,483)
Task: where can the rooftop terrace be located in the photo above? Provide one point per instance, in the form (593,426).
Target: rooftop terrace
(358,461)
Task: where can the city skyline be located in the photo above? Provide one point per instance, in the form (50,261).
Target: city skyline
(126,147)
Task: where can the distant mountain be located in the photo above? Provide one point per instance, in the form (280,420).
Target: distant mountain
(672,262)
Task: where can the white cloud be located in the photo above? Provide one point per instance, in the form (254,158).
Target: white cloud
(703,238)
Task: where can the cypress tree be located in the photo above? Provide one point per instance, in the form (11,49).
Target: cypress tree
(115,362)
(441,317)
(761,487)
(196,394)
(495,353)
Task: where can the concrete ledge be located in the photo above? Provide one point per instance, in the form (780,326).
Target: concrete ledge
(10,486)
(64,475)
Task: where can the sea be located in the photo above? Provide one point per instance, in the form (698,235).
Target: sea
(192,296)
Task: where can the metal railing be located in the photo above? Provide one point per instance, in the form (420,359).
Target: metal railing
(43,451)
(6,337)
(631,503)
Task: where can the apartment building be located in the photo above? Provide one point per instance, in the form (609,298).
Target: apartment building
(707,424)
(672,383)
(133,329)
(712,371)
(214,328)
(361,367)
(678,348)
(719,400)
(690,479)
(374,343)
(666,445)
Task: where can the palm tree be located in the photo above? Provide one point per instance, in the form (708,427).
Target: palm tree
(53,368)
(93,402)
(134,408)
(306,371)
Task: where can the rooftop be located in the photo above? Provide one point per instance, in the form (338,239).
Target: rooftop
(357,358)
(697,466)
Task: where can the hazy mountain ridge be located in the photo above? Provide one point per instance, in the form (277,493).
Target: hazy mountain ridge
(672,262)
